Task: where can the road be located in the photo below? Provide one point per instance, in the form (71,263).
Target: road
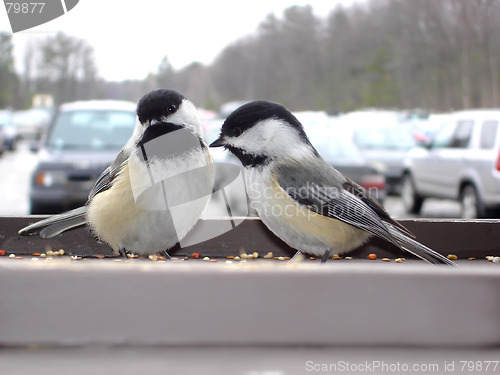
(16,168)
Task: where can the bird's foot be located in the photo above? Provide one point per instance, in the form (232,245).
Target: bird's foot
(295,257)
(123,253)
(326,255)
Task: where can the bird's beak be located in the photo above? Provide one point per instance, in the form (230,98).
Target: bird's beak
(219,142)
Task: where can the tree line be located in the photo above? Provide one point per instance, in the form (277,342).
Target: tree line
(435,55)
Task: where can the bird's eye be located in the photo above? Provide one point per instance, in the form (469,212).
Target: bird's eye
(172,109)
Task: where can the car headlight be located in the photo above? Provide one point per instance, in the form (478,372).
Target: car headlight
(50,178)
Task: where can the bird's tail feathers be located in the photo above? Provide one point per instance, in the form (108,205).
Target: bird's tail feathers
(54,225)
(418,249)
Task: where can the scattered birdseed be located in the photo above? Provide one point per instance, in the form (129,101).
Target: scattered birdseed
(269,255)
(153,257)
(12,255)
(348,258)
(74,257)
(230,257)
(19,257)
(452,257)
(43,255)
(471,258)
(35,258)
(61,252)
(196,255)
(229,261)
(206,259)
(3,252)
(131,256)
(213,260)
(255,254)
(237,258)
(36,254)
(312,258)
(50,253)
(490,258)
(336,257)
(282,258)
(101,256)
(399,260)
(386,260)
(496,260)
(372,256)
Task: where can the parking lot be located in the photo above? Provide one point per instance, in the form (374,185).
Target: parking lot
(16,168)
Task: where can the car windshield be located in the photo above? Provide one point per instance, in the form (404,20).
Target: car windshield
(336,149)
(92,129)
(389,138)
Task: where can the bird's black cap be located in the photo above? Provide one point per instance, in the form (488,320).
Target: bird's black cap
(157,104)
(252,113)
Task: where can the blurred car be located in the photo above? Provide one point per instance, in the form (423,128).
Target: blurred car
(82,140)
(2,143)
(461,162)
(8,130)
(383,140)
(31,123)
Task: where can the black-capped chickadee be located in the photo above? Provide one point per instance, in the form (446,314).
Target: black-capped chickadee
(302,199)
(154,192)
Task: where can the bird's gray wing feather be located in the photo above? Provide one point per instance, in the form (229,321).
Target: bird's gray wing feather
(322,189)
(375,205)
(105,180)
(57,224)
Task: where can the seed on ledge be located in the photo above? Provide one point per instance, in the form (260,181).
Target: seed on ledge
(386,260)
(372,256)
(452,257)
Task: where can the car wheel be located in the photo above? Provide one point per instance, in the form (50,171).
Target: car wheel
(411,200)
(471,206)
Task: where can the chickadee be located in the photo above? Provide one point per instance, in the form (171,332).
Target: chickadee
(301,198)
(154,192)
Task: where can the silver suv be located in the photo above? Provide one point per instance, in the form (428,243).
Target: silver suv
(461,162)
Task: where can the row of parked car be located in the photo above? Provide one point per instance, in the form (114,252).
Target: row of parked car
(456,157)
(15,125)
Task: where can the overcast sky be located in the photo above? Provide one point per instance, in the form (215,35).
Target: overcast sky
(131,37)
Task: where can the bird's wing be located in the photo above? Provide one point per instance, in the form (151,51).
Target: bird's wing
(325,194)
(334,196)
(375,205)
(106,178)
(56,224)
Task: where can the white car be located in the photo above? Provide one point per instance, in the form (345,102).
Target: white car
(461,162)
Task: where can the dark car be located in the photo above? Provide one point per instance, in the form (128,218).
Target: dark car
(82,140)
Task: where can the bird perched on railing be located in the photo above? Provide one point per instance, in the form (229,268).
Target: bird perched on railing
(154,192)
(302,199)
